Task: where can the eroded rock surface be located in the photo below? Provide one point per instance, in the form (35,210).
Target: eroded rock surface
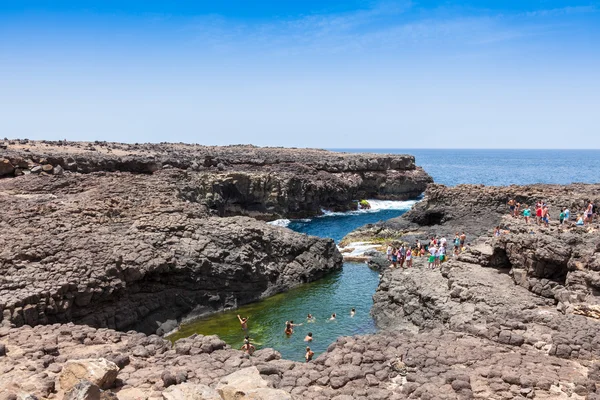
(434,364)
(532,290)
(124,251)
(267,183)
(473,209)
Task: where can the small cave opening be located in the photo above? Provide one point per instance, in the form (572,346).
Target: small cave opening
(428,217)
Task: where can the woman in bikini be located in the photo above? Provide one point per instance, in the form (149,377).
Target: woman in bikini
(289,327)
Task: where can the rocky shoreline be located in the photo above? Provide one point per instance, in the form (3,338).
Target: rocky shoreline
(116,237)
(513,316)
(261,182)
(532,291)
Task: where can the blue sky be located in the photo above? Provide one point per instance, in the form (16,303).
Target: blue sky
(398,74)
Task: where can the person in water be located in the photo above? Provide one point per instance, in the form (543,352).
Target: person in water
(243,322)
(248,347)
(310,318)
(308,337)
(353,312)
(309,354)
(289,327)
(332,317)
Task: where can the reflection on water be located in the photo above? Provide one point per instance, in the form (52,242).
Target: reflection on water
(337,293)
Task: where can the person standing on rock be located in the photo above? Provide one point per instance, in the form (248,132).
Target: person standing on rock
(517,207)
(463,239)
(546,216)
(511,206)
(526,213)
(589,213)
(418,246)
(432,251)
(561,217)
(309,354)
(538,212)
(567,214)
(395,257)
(456,241)
(402,255)
(243,322)
(389,252)
(409,258)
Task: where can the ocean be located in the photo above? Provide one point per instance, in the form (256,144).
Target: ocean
(503,167)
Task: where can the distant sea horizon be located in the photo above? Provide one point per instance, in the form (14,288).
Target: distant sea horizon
(501,167)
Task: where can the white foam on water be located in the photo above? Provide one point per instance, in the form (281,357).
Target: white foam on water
(376,206)
(280,222)
(359,248)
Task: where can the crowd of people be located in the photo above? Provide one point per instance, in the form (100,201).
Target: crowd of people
(542,213)
(436,249)
(249,348)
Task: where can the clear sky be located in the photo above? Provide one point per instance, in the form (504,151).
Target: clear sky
(305,73)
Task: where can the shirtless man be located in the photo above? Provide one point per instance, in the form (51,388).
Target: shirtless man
(243,322)
(308,337)
(248,347)
(353,312)
(511,207)
(309,354)
(333,316)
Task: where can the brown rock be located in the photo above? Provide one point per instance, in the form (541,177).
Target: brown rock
(98,371)
(6,168)
(83,390)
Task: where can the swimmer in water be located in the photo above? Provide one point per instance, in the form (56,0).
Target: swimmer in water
(289,327)
(248,347)
(309,354)
(243,322)
(310,318)
(332,317)
(308,337)
(353,312)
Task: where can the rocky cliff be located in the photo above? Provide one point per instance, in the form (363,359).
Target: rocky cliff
(266,183)
(474,209)
(125,251)
(532,290)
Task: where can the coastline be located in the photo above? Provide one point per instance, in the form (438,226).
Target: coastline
(473,328)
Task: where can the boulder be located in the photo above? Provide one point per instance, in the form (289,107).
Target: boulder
(190,391)
(248,384)
(83,390)
(6,168)
(100,372)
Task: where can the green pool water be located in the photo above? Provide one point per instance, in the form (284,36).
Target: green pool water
(338,293)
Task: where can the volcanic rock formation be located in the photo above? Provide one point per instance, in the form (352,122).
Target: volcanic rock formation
(265,183)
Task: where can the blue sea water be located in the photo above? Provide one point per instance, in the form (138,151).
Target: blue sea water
(503,167)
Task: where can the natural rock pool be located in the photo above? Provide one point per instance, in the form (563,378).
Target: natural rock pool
(352,287)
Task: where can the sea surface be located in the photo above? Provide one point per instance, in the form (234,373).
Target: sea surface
(355,285)
(503,167)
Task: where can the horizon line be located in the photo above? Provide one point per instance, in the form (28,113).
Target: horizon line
(455,148)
